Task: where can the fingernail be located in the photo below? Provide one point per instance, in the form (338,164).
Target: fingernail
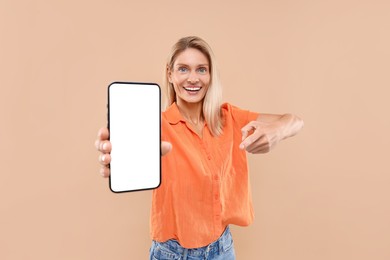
(102,172)
(241,146)
(103,158)
(105,146)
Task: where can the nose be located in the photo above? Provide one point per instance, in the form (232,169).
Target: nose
(193,78)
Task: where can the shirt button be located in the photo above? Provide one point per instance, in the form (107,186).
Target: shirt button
(216,197)
(216,177)
(209,157)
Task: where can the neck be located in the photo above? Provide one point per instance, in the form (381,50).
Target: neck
(191,111)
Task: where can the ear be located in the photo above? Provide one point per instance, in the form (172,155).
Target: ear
(169,74)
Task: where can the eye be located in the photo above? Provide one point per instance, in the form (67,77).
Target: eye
(202,70)
(182,69)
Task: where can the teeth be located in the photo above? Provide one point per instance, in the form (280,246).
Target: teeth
(192,89)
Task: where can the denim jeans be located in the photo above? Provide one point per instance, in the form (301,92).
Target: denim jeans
(221,249)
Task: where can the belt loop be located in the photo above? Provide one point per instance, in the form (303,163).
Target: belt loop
(185,253)
(206,253)
(223,240)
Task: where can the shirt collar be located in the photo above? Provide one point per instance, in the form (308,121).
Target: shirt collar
(173,114)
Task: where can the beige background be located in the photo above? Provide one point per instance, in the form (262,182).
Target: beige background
(321,195)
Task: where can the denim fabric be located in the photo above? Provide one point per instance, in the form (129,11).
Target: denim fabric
(222,249)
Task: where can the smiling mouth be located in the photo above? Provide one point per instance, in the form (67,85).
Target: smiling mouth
(192,89)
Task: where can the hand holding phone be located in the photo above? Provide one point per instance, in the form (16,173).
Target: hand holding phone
(103,145)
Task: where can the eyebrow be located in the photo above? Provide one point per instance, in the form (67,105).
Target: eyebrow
(199,65)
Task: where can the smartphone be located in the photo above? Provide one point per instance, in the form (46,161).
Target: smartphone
(134,123)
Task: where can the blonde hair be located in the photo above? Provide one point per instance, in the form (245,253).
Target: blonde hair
(213,98)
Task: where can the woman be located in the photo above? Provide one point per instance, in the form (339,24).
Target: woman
(205,185)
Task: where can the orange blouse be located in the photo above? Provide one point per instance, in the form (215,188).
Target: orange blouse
(205,184)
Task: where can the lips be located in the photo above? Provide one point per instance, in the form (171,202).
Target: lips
(192,88)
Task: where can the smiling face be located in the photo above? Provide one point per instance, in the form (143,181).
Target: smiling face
(190,76)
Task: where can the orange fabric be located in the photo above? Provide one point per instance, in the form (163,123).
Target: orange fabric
(205,184)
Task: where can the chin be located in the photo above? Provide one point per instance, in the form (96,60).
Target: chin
(193,101)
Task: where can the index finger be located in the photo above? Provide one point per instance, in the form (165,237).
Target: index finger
(103,133)
(249,128)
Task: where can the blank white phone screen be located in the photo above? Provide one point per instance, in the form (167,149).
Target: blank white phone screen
(134,116)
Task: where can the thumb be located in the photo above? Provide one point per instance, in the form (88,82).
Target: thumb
(165,147)
(246,142)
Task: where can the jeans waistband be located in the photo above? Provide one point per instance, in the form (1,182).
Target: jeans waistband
(223,243)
